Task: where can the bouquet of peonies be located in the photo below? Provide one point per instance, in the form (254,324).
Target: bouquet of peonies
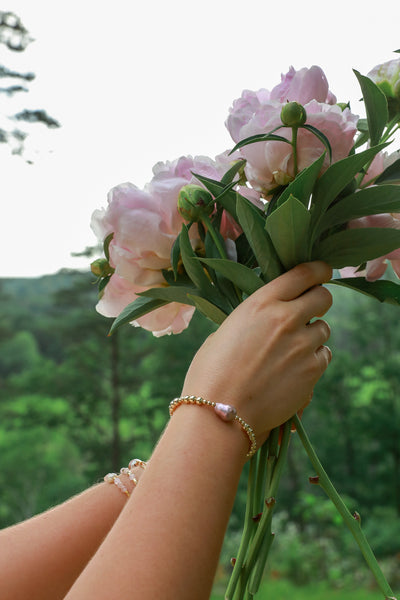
(306,180)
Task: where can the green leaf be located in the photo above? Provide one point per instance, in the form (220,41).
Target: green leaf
(322,138)
(260,137)
(362,125)
(375,107)
(369,201)
(224,285)
(253,225)
(192,267)
(103,283)
(382,290)
(245,255)
(136,309)
(230,174)
(351,247)
(209,310)
(182,278)
(362,139)
(390,174)
(197,274)
(223,194)
(243,277)
(335,179)
(177,293)
(288,227)
(302,186)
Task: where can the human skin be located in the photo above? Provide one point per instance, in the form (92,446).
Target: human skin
(41,557)
(265,360)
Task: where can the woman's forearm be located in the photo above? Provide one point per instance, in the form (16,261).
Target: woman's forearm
(167,540)
(40,558)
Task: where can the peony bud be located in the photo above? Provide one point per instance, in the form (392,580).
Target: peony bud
(387,78)
(194,202)
(293,114)
(101,267)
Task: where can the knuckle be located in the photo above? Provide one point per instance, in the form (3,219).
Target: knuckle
(327,295)
(325,298)
(326,330)
(304,270)
(324,356)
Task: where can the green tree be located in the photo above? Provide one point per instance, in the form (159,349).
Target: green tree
(16,38)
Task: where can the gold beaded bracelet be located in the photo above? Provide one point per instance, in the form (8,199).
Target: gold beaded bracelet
(115,479)
(226,412)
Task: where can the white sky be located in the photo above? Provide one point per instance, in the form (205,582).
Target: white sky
(133,83)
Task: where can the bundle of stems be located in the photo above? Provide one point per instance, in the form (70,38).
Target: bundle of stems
(265,472)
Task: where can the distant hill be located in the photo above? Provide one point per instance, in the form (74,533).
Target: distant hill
(36,294)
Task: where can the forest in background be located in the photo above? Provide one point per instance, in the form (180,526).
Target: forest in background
(75,404)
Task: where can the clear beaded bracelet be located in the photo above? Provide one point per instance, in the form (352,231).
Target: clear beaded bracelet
(115,479)
(226,412)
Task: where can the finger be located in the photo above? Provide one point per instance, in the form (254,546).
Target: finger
(319,333)
(313,303)
(324,357)
(295,282)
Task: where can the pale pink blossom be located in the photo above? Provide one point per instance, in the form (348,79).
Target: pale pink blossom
(375,169)
(271,163)
(119,292)
(145,224)
(303,86)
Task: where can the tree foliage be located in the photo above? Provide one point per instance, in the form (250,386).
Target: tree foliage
(72,396)
(16,38)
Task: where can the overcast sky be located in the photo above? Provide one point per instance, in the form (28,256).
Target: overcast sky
(133,83)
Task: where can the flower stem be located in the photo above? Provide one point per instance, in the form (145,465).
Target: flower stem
(351,522)
(210,227)
(294,145)
(248,530)
(253,558)
(262,467)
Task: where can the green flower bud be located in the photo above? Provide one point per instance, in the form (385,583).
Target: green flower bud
(293,114)
(194,202)
(343,105)
(387,78)
(101,267)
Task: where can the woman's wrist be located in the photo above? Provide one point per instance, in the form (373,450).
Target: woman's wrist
(224,438)
(226,412)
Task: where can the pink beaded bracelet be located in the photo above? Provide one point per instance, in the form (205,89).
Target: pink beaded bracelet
(226,412)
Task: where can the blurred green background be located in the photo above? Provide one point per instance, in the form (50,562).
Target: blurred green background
(75,404)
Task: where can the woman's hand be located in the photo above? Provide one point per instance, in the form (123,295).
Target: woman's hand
(267,356)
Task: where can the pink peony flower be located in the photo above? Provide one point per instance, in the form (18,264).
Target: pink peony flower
(119,292)
(271,163)
(145,224)
(303,86)
(375,169)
